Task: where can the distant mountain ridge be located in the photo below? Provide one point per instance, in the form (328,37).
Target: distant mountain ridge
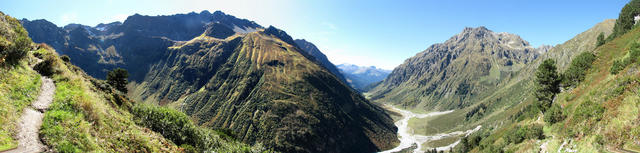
(141,38)
(363,78)
(229,73)
(447,75)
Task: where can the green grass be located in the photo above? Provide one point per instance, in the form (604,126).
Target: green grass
(601,111)
(84,118)
(89,116)
(440,143)
(177,127)
(19,86)
(438,124)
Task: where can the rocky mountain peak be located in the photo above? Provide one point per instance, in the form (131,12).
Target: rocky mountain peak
(218,30)
(482,36)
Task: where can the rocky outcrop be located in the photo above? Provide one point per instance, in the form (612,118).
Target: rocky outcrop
(448,75)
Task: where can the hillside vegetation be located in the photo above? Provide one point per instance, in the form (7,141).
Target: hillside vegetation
(19,85)
(266,90)
(228,74)
(87,114)
(597,112)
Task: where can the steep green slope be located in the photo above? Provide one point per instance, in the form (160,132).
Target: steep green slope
(600,114)
(266,90)
(19,85)
(503,104)
(456,73)
(87,115)
(499,107)
(228,74)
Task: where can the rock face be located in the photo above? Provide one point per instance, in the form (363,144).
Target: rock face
(234,75)
(132,45)
(363,78)
(450,74)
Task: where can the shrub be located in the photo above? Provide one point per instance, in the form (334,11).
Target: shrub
(14,42)
(177,127)
(65,58)
(554,114)
(47,67)
(17,50)
(578,68)
(529,111)
(118,79)
(617,66)
(600,40)
(589,110)
(521,133)
(172,124)
(632,57)
(476,112)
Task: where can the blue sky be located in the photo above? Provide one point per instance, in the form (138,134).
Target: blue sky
(382,33)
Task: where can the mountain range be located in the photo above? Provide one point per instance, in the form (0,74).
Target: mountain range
(211,82)
(230,73)
(362,78)
(452,74)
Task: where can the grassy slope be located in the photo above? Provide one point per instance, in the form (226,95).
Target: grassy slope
(87,115)
(616,129)
(504,103)
(19,85)
(265,90)
(84,118)
(619,126)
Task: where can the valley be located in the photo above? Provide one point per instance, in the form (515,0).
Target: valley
(420,80)
(412,141)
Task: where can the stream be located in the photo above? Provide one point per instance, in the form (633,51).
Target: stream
(408,139)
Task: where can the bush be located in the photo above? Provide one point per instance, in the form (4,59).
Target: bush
(529,111)
(177,127)
(600,40)
(589,110)
(617,66)
(554,114)
(476,112)
(521,133)
(65,58)
(632,57)
(172,124)
(118,79)
(14,41)
(17,50)
(47,67)
(578,69)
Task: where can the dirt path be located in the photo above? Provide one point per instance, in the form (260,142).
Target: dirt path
(31,120)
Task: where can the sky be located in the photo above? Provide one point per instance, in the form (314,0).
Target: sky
(380,33)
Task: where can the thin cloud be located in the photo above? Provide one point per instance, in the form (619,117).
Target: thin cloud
(341,56)
(69,17)
(330,25)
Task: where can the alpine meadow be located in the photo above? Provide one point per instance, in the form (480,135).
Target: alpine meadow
(330,76)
